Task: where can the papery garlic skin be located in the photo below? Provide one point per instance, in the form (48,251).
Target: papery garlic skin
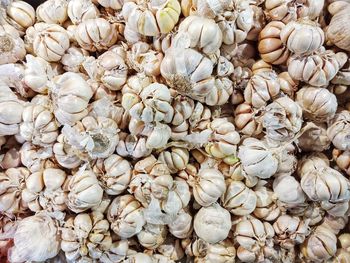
(212,219)
(52,12)
(96,34)
(20,15)
(114,172)
(84,191)
(11,45)
(44,235)
(125,214)
(48,41)
(337,130)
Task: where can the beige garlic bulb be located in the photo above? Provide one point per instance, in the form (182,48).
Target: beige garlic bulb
(65,154)
(39,125)
(84,191)
(317,69)
(175,158)
(125,215)
(12,185)
(342,159)
(114,173)
(266,206)
(96,34)
(210,220)
(223,141)
(320,245)
(20,15)
(318,104)
(10,159)
(207,186)
(132,146)
(282,119)
(171,250)
(262,88)
(290,230)
(337,30)
(200,33)
(247,120)
(336,223)
(48,41)
(45,190)
(11,110)
(73,59)
(109,69)
(188,72)
(52,12)
(302,37)
(86,237)
(257,159)
(271,47)
(81,10)
(253,236)
(43,233)
(142,20)
(11,45)
(220,252)
(182,225)
(288,191)
(71,95)
(238,198)
(315,138)
(152,236)
(337,130)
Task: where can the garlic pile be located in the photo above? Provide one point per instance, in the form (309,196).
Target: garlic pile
(159,131)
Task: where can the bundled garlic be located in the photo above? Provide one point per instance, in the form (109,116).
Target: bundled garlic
(52,12)
(212,219)
(114,173)
(84,191)
(11,45)
(125,215)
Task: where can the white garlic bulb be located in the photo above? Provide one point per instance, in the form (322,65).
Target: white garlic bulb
(81,10)
(20,15)
(212,223)
(11,45)
(337,130)
(152,236)
(52,12)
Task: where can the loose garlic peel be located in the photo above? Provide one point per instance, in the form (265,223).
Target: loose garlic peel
(165,131)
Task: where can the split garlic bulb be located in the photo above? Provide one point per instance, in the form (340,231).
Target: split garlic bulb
(11,45)
(212,219)
(37,238)
(125,214)
(35,158)
(52,12)
(114,173)
(337,130)
(84,191)
(239,199)
(96,34)
(48,41)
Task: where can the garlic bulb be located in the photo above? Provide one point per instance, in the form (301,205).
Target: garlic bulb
(212,219)
(39,125)
(342,159)
(271,47)
(44,236)
(337,130)
(125,215)
(282,119)
(45,190)
(20,15)
(266,205)
(220,252)
(84,191)
(35,158)
(73,59)
(12,185)
(11,45)
(257,160)
(64,153)
(337,29)
(239,199)
(152,236)
(288,191)
(181,226)
(52,12)
(320,245)
(71,95)
(208,185)
(316,70)
(171,249)
(96,34)
(315,138)
(247,120)
(200,33)
(262,88)
(318,104)
(295,35)
(132,146)
(176,159)
(142,20)
(48,41)
(206,8)
(114,173)
(81,10)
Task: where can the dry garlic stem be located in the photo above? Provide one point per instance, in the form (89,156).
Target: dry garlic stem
(11,45)
(212,223)
(125,214)
(37,238)
(338,130)
(84,191)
